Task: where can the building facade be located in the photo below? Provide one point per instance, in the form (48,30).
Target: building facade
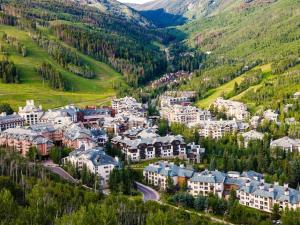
(21,140)
(95,160)
(157,174)
(31,113)
(232,108)
(10,121)
(148,148)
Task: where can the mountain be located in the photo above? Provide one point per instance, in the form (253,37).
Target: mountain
(115,8)
(176,12)
(251,36)
(75,51)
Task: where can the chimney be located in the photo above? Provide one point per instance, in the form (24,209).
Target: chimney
(181,165)
(286,192)
(286,185)
(248,183)
(276,183)
(261,186)
(271,188)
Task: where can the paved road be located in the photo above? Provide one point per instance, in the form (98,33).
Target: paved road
(148,192)
(54,168)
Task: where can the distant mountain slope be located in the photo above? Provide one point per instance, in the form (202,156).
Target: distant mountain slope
(176,12)
(250,34)
(115,8)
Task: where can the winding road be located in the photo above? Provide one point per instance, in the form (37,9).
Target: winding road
(54,168)
(148,192)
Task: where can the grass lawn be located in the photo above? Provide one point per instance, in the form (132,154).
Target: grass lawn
(83,91)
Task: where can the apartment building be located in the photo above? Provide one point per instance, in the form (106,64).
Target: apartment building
(10,121)
(234,109)
(263,196)
(21,140)
(92,116)
(270,115)
(157,174)
(218,128)
(129,105)
(251,136)
(184,114)
(49,131)
(207,182)
(63,116)
(194,153)
(287,144)
(251,189)
(76,136)
(148,148)
(95,160)
(31,113)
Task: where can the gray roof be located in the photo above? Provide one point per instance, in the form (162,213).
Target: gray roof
(96,155)
(148,141)
(209,177)
(10,118)
(76,132)
(43,127)
(278,193)
(285,142)
(169,169)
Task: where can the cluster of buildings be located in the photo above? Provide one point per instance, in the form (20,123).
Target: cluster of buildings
(251,189)
(171,78)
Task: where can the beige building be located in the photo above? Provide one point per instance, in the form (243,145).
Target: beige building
(31,113)
(217,129)
(234,109)
(184,114)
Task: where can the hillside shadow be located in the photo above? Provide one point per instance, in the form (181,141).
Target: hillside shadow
(162,19)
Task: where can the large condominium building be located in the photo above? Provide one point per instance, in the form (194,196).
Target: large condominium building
(157,174)
(263,196)
(184,114)
(149,148)
(95,160)
(270,115)
(251,189)
(49,131)
(207,182)
(31,113)
(194,152)
(76,136)
(170,98)
(217,129)
(22,140)
(92,116)
(129,105)
(287,144)
(10,121)
(251,136)
(232,108)
(63,116)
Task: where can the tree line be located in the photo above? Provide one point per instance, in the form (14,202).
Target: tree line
(64,56)
(29,194)
(52,76)
(13,42)
(8,71)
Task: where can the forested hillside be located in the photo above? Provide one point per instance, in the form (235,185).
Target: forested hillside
(29,194)
(250,36)
(71,50)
